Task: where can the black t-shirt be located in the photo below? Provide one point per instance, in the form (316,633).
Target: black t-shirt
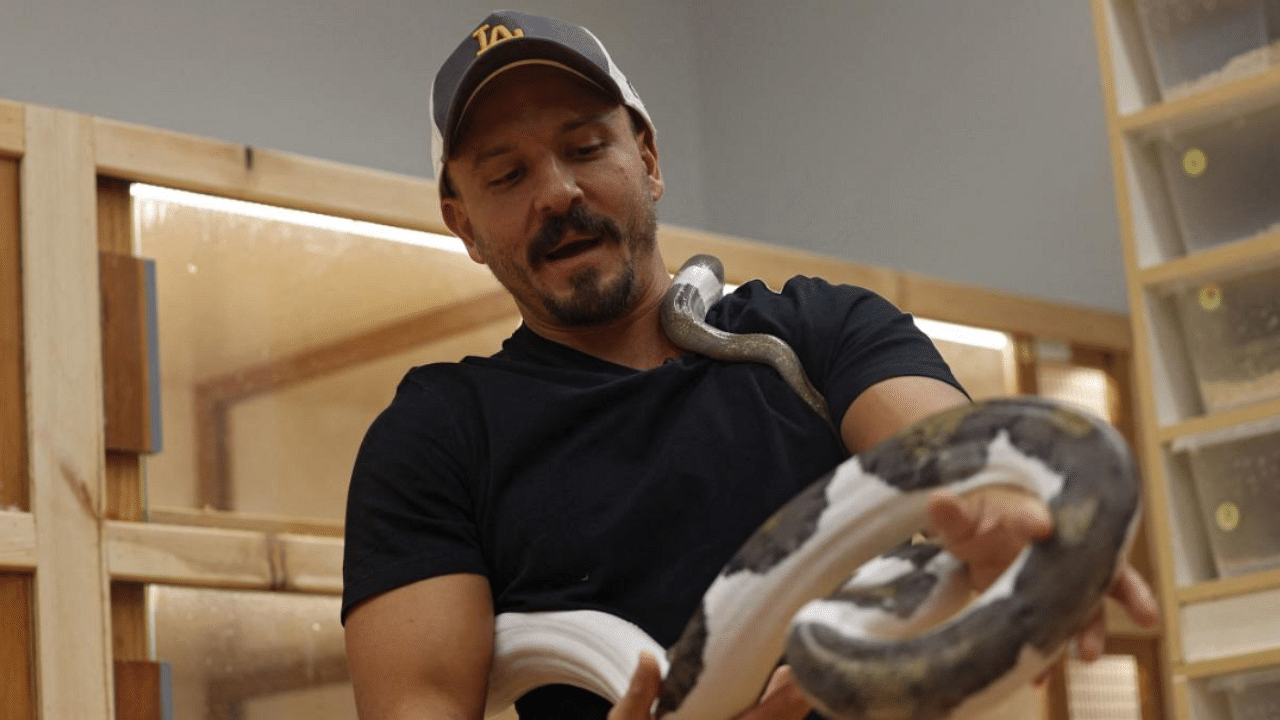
(574,483)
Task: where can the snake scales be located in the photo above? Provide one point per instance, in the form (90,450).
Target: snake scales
(867,624)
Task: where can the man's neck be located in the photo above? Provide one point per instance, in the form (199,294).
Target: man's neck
(635,340)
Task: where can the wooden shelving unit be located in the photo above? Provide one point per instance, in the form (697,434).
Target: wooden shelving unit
(1216,625)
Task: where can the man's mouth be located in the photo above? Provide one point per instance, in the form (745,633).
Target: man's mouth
(572,249)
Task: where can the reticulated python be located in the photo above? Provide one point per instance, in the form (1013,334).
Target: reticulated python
(867,624)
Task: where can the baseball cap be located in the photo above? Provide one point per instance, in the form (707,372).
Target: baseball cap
(508,39)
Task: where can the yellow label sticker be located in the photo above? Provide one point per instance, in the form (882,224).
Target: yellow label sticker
(1227,516)
(1194,162)
(1210,297)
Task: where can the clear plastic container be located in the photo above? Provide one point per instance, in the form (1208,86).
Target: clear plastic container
(1231,329)
(1224,178)
(1237,479)
(1196,44)
(1252,695)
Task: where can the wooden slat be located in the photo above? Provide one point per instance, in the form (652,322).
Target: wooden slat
(16,680)
(1227,587)
(187,162)
(1220,261)
(64,386)
(1224,666)
(1217,104)
(129,391)
(134,411)
(188,556)
(746,260)
(12,128)
(954,302)
(219,558)
(1221,420)
(314,564)
(1155,494)
(13,411)
(245,521)
(17,541)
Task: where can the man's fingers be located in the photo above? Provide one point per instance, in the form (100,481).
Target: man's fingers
(1092,640)
(1132,592)
(781,700)
(646,683)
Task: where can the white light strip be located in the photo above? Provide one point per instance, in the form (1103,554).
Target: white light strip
(297,217)
(963,334)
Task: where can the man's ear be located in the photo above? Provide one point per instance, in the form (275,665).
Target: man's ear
(649,155)
(459,222)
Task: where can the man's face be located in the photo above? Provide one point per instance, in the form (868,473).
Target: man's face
(556,193)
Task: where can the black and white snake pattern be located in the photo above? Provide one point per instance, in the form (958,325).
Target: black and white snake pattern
(868,624)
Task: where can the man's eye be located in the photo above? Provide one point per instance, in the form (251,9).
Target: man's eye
(505,179)
(588,150)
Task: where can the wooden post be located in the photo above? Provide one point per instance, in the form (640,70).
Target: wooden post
(64,415)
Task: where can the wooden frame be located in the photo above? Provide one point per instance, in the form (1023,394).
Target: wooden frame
(84,534)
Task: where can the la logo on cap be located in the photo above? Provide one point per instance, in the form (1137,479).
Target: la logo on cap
(495,36)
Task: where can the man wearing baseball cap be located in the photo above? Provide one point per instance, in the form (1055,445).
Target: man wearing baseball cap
(592,464)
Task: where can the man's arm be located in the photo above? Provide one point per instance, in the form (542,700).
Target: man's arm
(891,405)
(422,651)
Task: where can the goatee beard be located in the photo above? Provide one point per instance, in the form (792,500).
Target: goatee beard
(593,300)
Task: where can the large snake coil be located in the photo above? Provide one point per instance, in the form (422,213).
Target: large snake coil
(869,625)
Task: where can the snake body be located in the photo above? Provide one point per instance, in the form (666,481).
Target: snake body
(874,647)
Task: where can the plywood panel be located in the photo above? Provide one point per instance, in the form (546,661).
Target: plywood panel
(64,385)
(15,647)
(13,415)
(129,355)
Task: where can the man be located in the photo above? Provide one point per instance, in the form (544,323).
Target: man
(592,463)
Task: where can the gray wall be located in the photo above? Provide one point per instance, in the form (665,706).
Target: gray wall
(963,139)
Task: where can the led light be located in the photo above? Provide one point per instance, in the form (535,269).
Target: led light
(297,217)
(963,334)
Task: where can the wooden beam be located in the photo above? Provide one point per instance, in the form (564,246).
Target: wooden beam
(227,169)
(64,391)
(421,328)
(219,558)
(187,162)
(13,412)
(12,128)
(245,521)
(955,302)
(17,541)
(746,260)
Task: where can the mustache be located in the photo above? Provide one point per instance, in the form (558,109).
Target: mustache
(580,220)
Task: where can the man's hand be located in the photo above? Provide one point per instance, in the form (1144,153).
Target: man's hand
(988,528)
(781,699)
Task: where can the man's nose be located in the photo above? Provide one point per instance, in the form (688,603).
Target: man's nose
(558,188)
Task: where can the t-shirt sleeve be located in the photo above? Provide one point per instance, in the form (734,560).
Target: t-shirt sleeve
(848,338)
(410,505)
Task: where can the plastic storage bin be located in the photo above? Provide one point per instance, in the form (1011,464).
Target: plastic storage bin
(1252,695)
(1196,44)
(1232,333)
(1224,179)
(1237,479)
